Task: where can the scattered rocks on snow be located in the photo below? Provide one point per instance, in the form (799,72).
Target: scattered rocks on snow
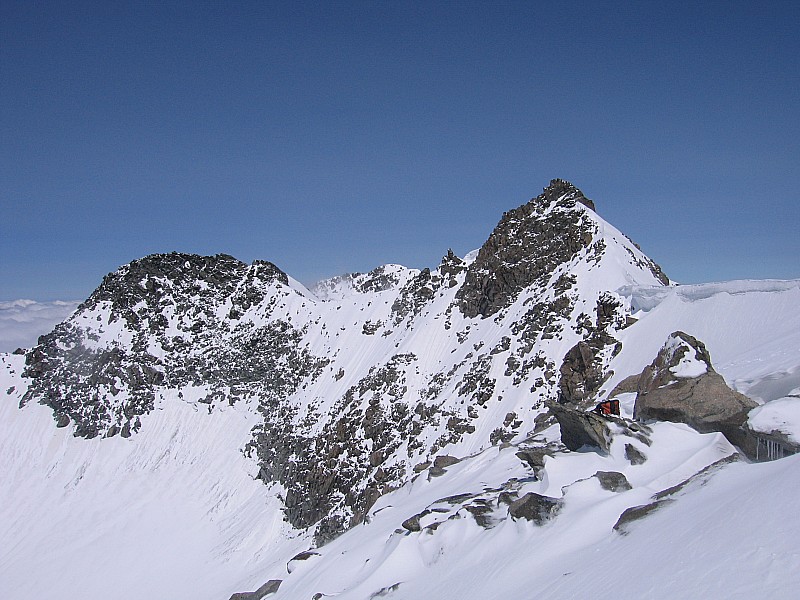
(664,497)
(445,460)
(634,455)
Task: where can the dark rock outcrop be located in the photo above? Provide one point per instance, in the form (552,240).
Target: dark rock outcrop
(265,590)
(579,429)
(535,507)
(581,374)
(634,455)
(613,481)
(681,386)
(635,513)
(527,245)
(534,458)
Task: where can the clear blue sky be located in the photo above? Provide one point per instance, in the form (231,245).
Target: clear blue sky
(335,136)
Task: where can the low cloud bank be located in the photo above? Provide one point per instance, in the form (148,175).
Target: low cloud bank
(23,321)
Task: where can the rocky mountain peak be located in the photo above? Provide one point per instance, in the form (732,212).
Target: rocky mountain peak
(374,376)
(526,247)
(561,188)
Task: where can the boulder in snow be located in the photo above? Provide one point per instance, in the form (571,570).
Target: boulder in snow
(579,429)
(265,590)
(535,507)
(613,481)
(681,386)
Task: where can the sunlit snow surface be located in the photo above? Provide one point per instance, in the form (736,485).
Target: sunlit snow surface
(782,415)
(175,510)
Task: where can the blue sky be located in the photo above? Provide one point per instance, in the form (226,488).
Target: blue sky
(336,136)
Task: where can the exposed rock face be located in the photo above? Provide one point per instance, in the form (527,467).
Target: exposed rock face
(265,590)
(613,481)
(580,375)
(583,369)
(535,507)
(525,248)
(171,305)
(681,386)
(579,429)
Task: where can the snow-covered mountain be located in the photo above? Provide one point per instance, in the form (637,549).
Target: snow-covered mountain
(200,426)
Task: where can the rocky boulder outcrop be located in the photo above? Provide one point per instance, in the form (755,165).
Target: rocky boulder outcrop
(613,481)
(265,590)
(535,507)
(681,386)
(579,428)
